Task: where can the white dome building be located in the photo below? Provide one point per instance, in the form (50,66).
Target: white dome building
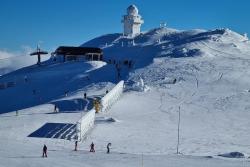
(132,10)
(132,22)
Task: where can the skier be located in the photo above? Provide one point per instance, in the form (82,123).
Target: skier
(44,151)
(92,147)
(55,108)
(174,81)
(108,148)
(85,95)
(76,145)
(107,91)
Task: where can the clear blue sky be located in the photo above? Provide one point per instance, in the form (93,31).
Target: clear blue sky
(72,22)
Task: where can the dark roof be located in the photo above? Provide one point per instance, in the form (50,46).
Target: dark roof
(69,50)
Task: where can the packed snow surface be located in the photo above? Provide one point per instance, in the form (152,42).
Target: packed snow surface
(205,73)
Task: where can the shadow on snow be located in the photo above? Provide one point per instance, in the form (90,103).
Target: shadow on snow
(56,130)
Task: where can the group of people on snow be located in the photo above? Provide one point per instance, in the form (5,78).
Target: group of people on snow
(92,148)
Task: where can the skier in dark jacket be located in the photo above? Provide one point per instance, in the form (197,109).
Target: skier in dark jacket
(92,147)
(44,151)
(76,145)
(55,108)
(108,148)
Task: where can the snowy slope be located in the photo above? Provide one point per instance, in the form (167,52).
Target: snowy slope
(205,72)
(211,69)
(49,82)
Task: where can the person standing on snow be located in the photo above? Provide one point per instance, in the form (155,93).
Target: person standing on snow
(108,148)
(92,147)
(55,108)
(44,151)
(76,145)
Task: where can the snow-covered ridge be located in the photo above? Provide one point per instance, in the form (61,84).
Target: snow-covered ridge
(166,42)
(168,35)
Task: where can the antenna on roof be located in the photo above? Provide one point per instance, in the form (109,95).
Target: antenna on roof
(163,24)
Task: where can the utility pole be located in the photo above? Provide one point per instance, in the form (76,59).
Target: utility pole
(142,160)
(163,24)
(178,142)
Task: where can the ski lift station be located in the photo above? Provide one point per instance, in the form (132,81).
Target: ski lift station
(68,53)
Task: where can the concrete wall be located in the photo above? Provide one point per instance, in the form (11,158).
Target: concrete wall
(109,99)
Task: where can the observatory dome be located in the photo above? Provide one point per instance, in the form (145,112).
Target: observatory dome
(132,10)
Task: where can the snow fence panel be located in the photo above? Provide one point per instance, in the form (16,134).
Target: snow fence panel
(85,124)
(110,98)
